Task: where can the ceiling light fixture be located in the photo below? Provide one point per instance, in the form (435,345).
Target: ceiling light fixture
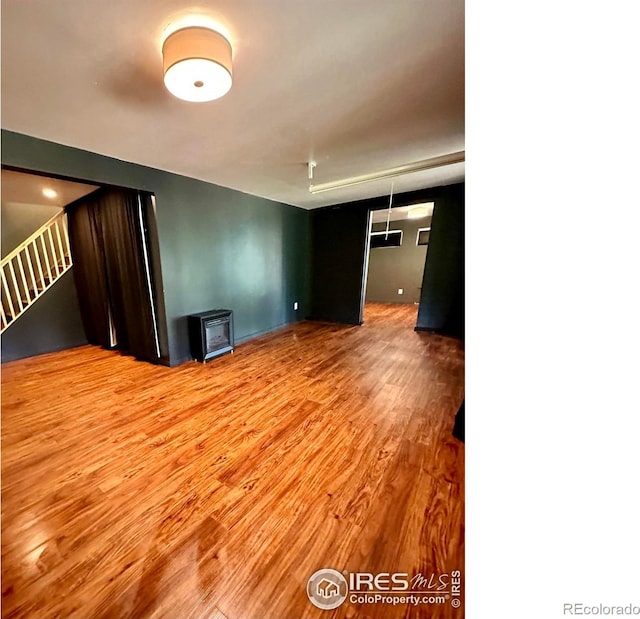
(197,64)
(49,193)
(409,168)
(418,211)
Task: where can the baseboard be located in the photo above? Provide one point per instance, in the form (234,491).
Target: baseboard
(440,332)
(426,329)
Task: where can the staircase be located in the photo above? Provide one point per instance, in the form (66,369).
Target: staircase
(33,267)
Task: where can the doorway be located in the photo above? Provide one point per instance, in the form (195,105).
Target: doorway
(397,246)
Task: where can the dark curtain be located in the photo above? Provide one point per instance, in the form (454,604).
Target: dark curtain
(89,270)
(115,266)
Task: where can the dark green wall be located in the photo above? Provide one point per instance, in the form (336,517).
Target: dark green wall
(338,253)
(442,301)
(338,250)
(52,323)
(218,247)
(391,268)
(20,221)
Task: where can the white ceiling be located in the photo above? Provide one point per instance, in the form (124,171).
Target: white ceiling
(356,85)
(20,188)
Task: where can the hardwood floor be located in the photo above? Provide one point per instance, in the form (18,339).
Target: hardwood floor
(214,491)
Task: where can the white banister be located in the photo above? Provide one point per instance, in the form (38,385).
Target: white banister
(35,235)
(15,285)
(34,283)
(25,287)
(45,253)
(21,286)
(62,252)
(5,290)
(38,263)
(52,248)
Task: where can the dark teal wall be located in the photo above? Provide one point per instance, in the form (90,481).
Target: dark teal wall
(218,247)
(338,250)
(442,300)
(52,323)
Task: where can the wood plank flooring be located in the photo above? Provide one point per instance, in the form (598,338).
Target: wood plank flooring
(214,491)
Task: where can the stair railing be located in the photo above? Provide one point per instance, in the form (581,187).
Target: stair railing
(33,267)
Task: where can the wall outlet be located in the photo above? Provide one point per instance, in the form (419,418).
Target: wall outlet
(400,290)
(295,305)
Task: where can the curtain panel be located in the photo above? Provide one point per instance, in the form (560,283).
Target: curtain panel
(107,233)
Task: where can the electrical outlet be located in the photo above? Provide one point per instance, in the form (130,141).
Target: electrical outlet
(400,290)
(295,305)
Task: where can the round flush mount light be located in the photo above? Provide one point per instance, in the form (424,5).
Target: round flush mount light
(197,64)
(47,192)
